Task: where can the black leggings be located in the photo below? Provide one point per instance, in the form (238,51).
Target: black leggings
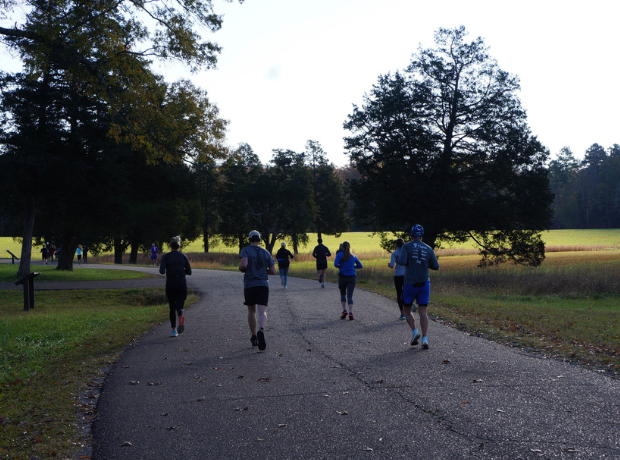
(176,299)
(346,284)
(399,282)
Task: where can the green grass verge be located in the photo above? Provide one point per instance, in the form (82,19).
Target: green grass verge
(583,330)
(50,355)
(8,272)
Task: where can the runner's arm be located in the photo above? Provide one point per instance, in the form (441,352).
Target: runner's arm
(243,265)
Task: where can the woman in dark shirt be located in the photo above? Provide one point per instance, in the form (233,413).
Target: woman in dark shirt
(175,265)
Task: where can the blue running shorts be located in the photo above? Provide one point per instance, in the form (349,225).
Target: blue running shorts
(419,294)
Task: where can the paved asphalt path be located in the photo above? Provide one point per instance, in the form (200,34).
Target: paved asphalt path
(331,389)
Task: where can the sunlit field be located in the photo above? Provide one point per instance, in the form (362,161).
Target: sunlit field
(366,242)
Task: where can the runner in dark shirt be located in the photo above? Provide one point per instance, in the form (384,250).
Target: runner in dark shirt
(282,256)
(176,265)
(321,253)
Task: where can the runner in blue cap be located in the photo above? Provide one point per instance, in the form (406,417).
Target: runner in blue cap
(417,257)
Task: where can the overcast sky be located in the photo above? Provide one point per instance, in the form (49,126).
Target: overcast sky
(290,70)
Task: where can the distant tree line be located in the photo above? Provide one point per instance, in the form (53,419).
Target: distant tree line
(294,194)
(587,192)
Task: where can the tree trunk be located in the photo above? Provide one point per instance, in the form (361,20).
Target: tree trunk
(133,255)
(295,243)
(241,241)
(68,246)
(118,250)
(205,238)
(430,238)
(24,261)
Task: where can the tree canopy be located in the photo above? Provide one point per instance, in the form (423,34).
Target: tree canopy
(445,143)
(87,74)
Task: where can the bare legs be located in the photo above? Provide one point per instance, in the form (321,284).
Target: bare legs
(423,318)
(262,317)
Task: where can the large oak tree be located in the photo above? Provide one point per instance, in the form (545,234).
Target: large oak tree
(446,144)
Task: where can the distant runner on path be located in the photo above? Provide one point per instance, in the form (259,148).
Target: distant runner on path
(321,253)
(417,258)
(44,254)
(176,265)
(257,265)
(347,263)
(154,254)
(282,256)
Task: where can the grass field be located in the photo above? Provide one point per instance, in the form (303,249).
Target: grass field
(365,242)
(8,272)
(52,355)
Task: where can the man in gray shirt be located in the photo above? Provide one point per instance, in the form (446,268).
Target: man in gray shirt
(256,264)
(417,258)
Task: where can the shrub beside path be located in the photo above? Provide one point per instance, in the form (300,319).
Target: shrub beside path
(326,388)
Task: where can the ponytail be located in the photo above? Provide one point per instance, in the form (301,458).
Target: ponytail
(347,251)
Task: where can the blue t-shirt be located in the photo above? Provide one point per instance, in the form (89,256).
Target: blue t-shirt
(347,267)
(259,261)
(417,257)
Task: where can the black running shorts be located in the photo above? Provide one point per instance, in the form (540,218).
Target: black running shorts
(258,295)
(321,265)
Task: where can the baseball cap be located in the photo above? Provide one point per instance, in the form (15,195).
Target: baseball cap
(417,231)
(254,233)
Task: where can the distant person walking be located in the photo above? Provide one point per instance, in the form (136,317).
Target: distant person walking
(154,254)
(257,265)
(79,254)
(85,253)
(399,275)
(283,257)
(347,263)
(44,254)
(51,250)
(176,265)
(321,253)
(417,258)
